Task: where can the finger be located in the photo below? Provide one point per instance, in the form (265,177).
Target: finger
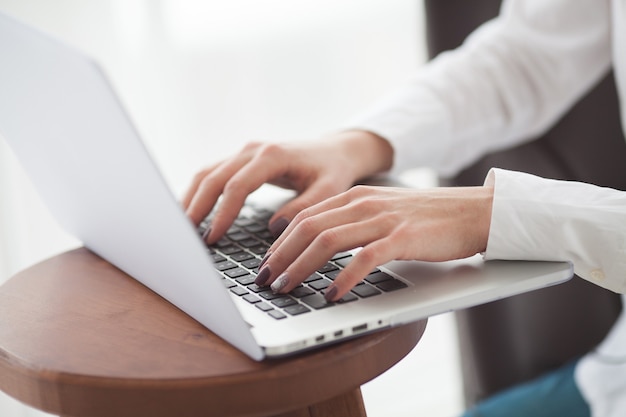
(367,259)
(208,191)
(323,247)
(352,200)
(294,244)
(262,168)
(321,208)
(316,193)
(195,184)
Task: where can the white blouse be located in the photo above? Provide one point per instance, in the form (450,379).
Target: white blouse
(509,82)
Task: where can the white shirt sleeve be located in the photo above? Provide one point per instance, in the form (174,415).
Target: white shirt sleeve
(509,82)
(512,79)
(539,219)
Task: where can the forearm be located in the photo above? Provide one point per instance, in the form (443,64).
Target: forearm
(539,219)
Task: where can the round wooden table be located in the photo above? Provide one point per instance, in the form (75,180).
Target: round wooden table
(78,337)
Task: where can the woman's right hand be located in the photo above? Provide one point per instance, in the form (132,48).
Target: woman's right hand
(315,170)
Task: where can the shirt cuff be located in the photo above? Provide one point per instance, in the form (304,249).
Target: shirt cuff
(539,219)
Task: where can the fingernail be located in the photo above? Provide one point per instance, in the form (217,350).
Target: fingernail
(265,258)
(280,283)
(330,293)
(206,234)
(263,276)
(278,226)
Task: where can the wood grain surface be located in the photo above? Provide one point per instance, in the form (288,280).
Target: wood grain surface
(78,337)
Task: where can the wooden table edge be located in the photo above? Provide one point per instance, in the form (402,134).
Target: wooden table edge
(56,391)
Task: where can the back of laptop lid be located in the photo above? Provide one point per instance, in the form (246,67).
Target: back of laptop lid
(70,133)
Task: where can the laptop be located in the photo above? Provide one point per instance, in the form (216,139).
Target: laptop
(64,122)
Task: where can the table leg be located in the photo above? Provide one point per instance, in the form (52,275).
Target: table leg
(349,404)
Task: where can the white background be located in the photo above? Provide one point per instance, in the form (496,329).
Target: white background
(202,77)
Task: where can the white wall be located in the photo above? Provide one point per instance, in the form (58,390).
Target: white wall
(200,78)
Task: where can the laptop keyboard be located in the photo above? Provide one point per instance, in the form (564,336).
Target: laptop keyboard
(237,257)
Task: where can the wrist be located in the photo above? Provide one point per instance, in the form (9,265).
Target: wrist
(484,218)
(367,154)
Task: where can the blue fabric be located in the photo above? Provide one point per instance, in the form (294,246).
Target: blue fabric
(552,395)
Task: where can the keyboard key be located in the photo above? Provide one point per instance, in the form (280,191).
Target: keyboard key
(284,302)
(229,250)
(243,222)
(313,277)
(256,288)
(249,243)
(259,249)
(332,275)
(217,258)
(255,228)
(251,298)
(262,214)
(223,242)
(228,283)
(347,298)
(238,236)
(344,261)
(392,285)
(242,256)
(251,263)
(232,230)
(276,314)
(317,301)
(365,291)
(239,291)
(378,277)
(340,255)
(300,292)
(236,272)
(269,295)
(320,284)
(246,279)
(223,266)
(297,309)
(263,306)
(266,236)
(327,268)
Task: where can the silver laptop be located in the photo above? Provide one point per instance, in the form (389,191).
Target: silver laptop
(67,127)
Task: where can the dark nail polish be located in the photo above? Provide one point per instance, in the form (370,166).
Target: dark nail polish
(263,276)
(330,294)
(278,226)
